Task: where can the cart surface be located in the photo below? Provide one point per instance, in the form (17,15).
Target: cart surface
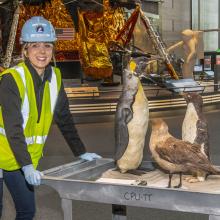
(98,181)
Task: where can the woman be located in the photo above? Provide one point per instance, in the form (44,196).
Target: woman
(32,94)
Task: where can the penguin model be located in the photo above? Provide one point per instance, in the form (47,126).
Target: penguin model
(131,119)
(195,127)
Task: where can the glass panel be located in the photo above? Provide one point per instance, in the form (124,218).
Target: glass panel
(195,15)
(211,41)
(209,20)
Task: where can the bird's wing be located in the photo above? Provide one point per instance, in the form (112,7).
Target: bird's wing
(121,132)
(180,152)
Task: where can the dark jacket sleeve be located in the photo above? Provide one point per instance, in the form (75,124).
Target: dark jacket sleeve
(11,112)
(64,120)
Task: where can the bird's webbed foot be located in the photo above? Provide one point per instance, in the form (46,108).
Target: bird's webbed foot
(198,177)
(142,183)
(191,179)
(178,186)
(137,172)
(180,183)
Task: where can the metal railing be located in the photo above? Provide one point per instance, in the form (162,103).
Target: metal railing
(167,100)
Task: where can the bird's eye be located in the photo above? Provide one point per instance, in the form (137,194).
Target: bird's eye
(129,75)
(135,74)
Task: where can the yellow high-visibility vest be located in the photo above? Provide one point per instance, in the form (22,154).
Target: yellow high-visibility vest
(35,131)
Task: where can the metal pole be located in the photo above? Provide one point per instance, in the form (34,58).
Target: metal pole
(191,14)
(67,209)
(119,212)
(216,77)
(211,30)
(214,217)
(218,23)
(199,15)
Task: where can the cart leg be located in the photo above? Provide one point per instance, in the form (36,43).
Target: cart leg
(119,212)
(67,209)
(214,217)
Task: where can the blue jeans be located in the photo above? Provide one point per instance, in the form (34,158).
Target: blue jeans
(21,192)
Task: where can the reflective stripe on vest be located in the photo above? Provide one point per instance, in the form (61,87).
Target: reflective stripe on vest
(2,131)
(53,88)
(25,106)
(30,140)
(36,140)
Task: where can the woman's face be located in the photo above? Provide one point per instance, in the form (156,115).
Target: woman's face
(40,55)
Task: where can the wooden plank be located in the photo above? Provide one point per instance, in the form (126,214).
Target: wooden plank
(82,92)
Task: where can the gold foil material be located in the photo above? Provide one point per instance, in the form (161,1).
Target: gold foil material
(97,29)
(93,50)
(113,21)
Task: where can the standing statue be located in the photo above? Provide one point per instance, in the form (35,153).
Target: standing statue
(192,44)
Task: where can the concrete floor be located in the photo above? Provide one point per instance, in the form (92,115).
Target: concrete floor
(99,137)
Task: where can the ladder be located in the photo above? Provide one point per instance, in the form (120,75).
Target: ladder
(158,43)
(126,32)
(11,41)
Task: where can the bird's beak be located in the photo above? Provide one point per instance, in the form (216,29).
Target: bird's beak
(153,121)
(157,121)
(183,94)
(136,74)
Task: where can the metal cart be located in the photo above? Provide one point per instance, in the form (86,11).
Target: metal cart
(77,181)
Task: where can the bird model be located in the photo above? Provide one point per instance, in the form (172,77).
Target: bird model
(195,128)
(131,119)
(177,156)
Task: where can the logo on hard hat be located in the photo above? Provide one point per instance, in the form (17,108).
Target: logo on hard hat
(39,29)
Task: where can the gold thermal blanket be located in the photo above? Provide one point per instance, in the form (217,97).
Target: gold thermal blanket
(97,29)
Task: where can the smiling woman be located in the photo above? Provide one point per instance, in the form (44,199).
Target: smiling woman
(32,94)
(39,54)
